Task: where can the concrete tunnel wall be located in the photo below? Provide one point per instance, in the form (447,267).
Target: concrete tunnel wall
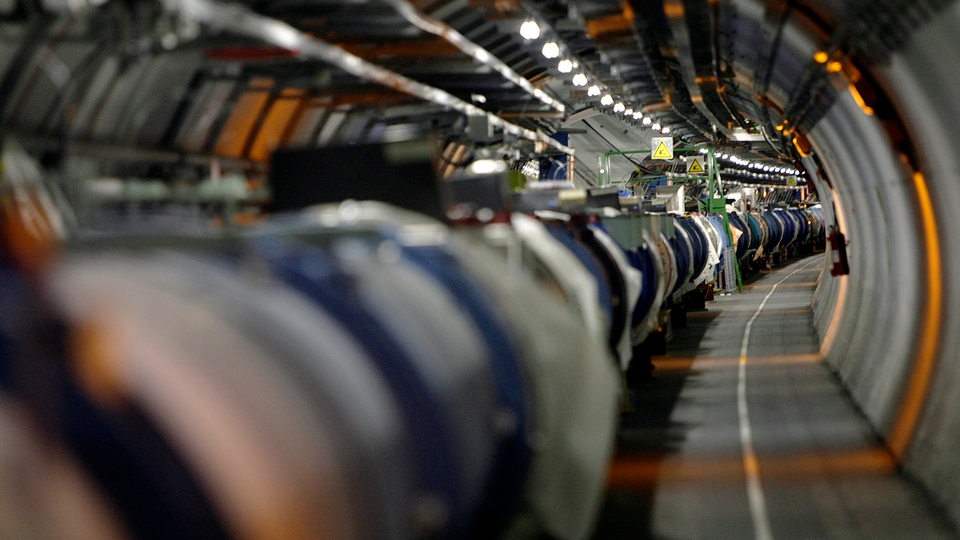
(891,329)
(925,71)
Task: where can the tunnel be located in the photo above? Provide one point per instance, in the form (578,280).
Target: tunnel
(133,130)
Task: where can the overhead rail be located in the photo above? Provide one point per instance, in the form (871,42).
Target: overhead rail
(242,21)
(439,28)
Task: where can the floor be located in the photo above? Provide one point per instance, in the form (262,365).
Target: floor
(751,436)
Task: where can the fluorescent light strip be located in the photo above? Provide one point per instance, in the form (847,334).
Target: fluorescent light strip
(443,30)
(241,20)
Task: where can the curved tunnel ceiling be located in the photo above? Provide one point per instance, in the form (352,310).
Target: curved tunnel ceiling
(697,68)
(735,73)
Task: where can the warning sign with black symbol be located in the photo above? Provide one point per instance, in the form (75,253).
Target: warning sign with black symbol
(695,165)
(661,148)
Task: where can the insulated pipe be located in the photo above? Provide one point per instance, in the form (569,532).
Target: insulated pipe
(409,11)
(244,22)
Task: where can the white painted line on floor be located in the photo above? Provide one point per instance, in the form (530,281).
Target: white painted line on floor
(758,505)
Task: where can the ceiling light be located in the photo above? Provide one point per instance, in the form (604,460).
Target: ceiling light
(665,130)
(593,91)
(647,121)
(580,80)
(565,66)
(619,107)
(487,166)
(628,112)
(606,100)
(550,49)
(637,115)
(724,156)
(530,29)
(656,126)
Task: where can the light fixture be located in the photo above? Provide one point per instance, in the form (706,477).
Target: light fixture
(487,166)
(580,80)
(724,156)
(656,126)
(637,115)
(628,112)
(530,30)
(647,121)
(606,100)
(593,91)
(550,49)
(619,107)
(665,130)
(867,110)
(565,66)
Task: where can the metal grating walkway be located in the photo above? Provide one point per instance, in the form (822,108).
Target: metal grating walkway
(765,445)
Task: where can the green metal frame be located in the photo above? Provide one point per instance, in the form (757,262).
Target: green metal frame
(603,169)
(716,202)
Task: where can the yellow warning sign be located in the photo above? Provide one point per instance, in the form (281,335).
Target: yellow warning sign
(695,165)
(662,147)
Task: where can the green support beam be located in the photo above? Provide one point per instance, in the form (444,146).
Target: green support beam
(716,203)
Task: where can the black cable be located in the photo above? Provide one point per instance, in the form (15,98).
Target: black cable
(610,144)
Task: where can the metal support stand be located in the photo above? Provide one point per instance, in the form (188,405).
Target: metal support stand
(716,202)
